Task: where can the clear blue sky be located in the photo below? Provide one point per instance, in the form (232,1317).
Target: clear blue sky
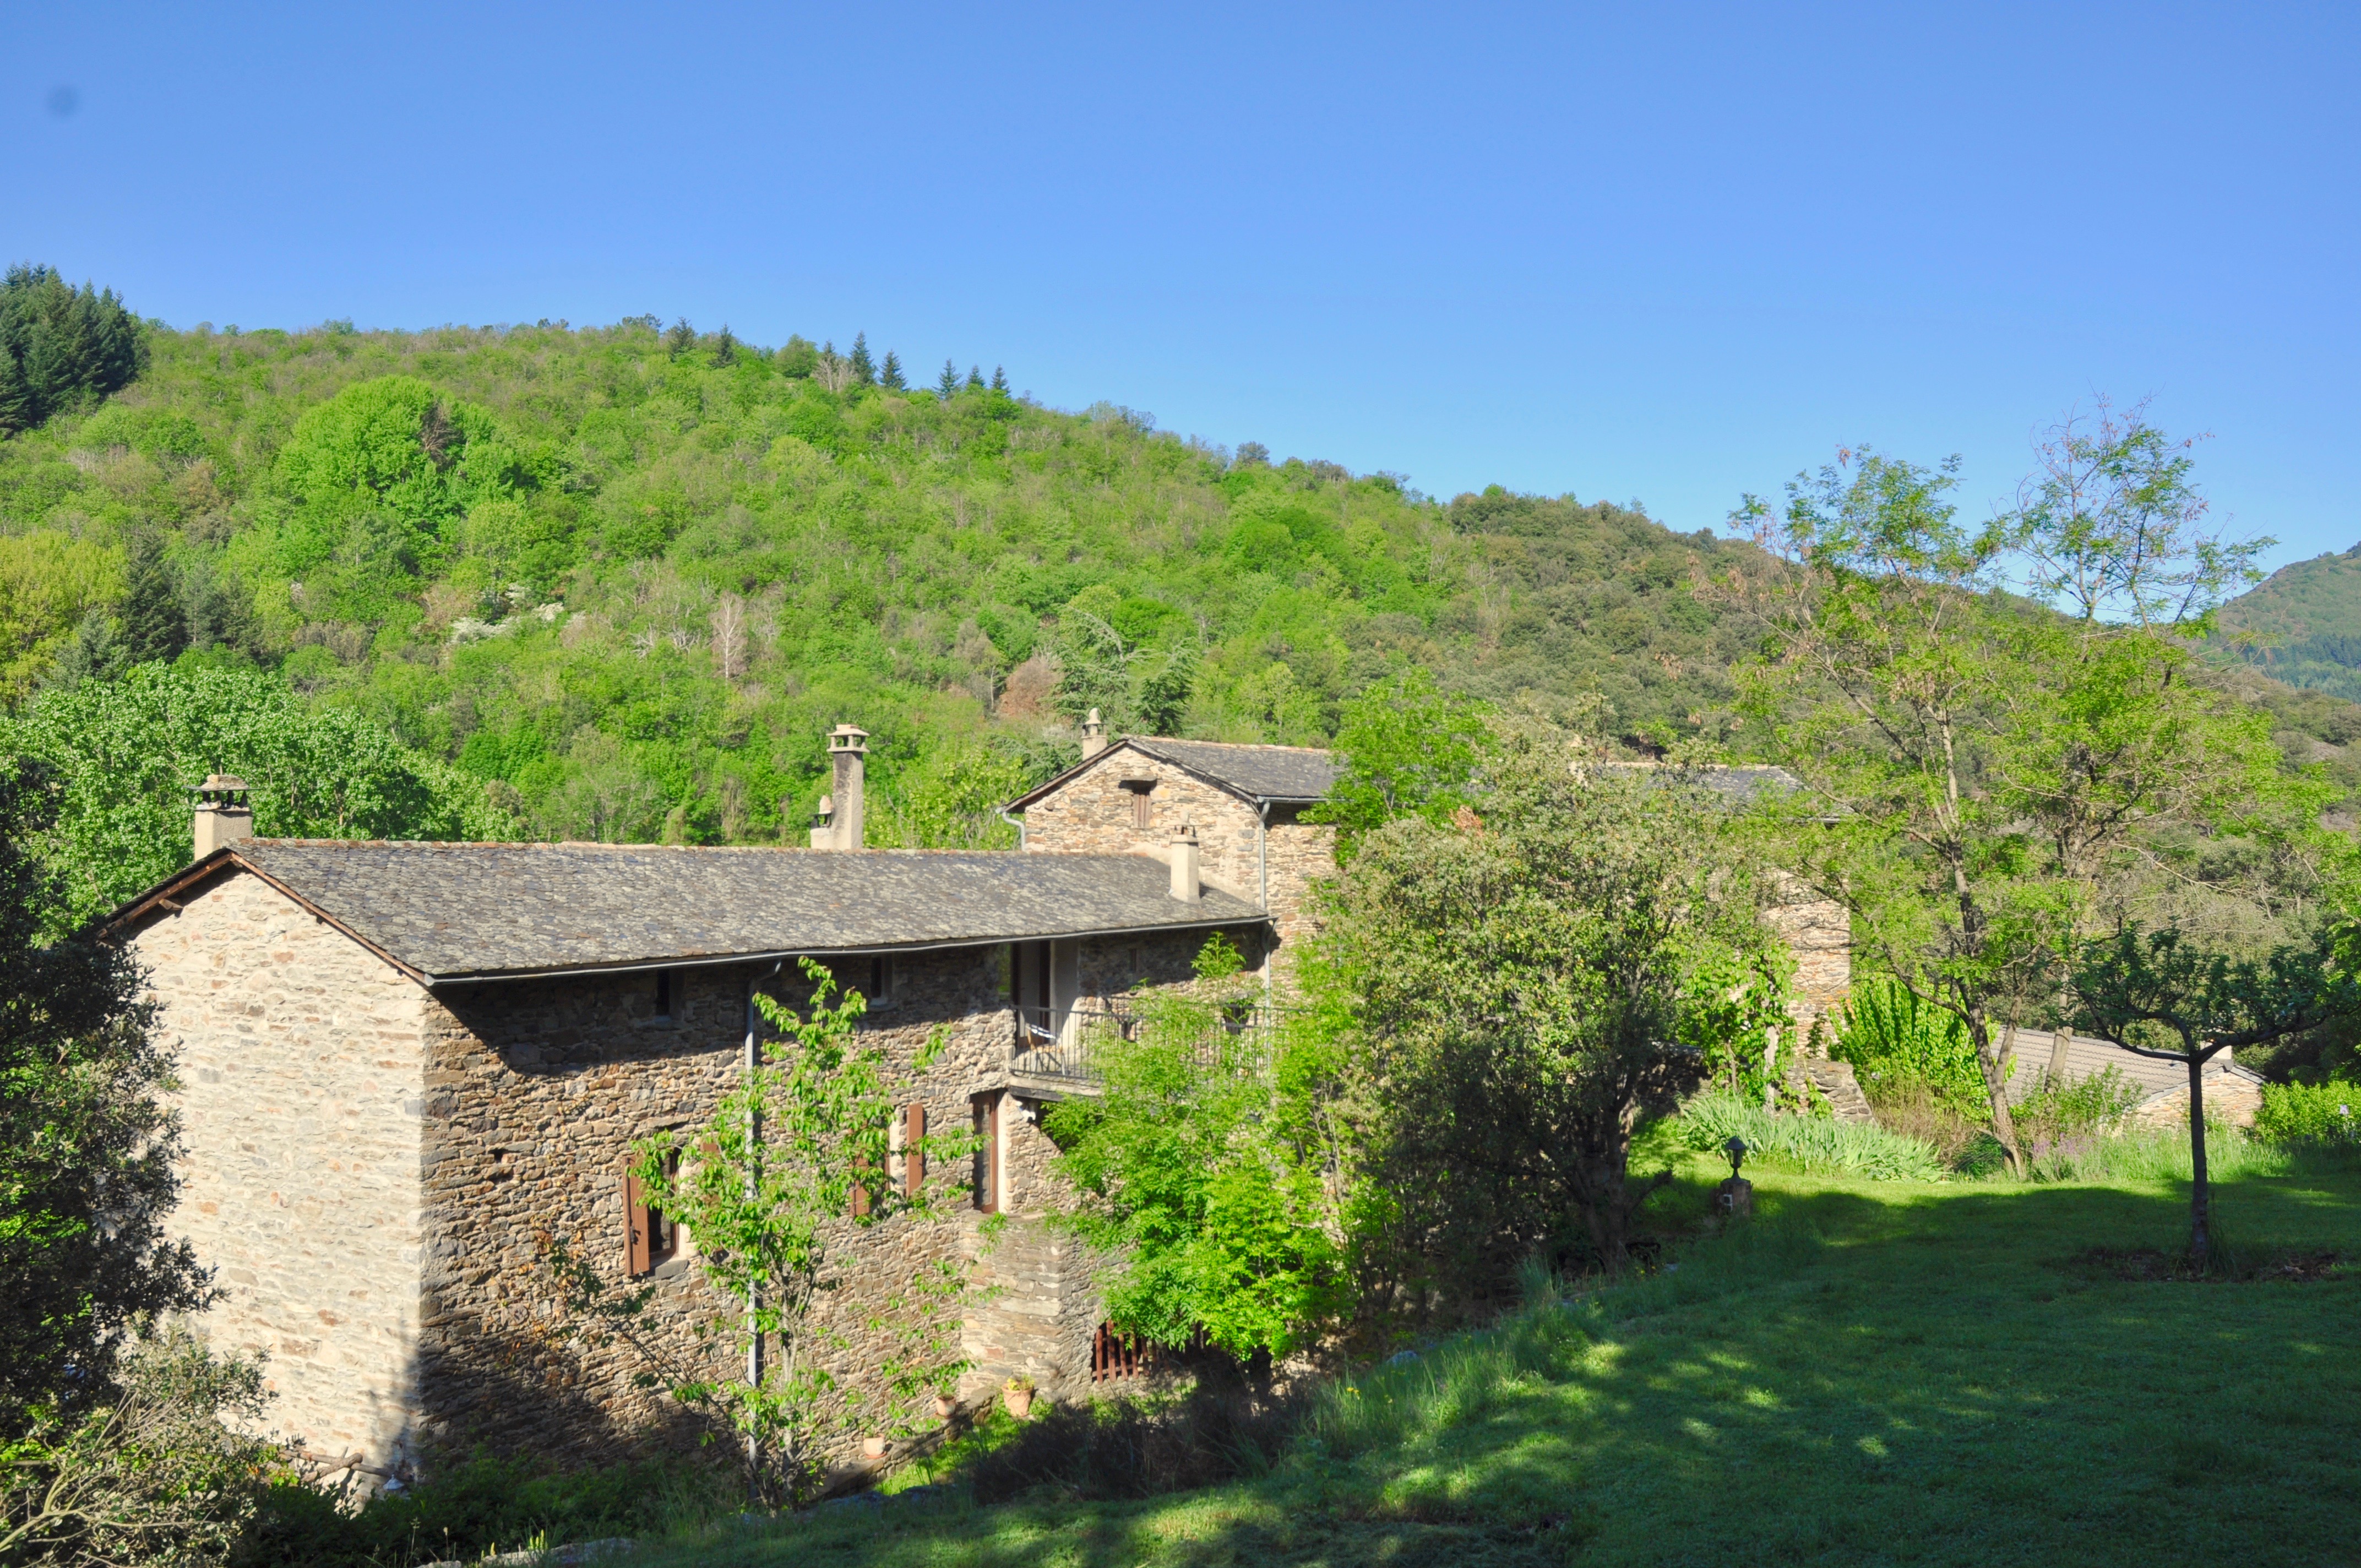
(1669,253)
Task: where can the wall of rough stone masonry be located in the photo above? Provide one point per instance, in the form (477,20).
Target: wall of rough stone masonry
(303,1061)
(1819,934)
(547,1083)
(1093,814)
(2228,1097)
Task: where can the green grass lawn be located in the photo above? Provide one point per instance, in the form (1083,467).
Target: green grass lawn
(1870,1372)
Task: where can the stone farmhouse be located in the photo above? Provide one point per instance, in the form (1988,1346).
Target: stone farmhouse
(406,1067)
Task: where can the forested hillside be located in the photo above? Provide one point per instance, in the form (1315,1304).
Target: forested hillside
(2303,624)
(628,577)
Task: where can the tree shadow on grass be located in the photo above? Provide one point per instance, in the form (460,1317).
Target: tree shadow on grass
(1863,1375)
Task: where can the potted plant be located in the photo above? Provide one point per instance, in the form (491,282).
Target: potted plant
(1016,1394)
(873,1447)
(945,1407)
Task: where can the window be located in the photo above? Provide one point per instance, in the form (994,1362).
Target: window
(881,982)
(1142,815)
(652,1238)
(664,996)
(983,1110)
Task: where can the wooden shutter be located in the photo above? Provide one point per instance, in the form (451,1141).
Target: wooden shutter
(914,1153)
(635,1223)
(860,1194)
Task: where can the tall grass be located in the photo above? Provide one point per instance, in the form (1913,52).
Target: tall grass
(2162,1155)
(1817,1145)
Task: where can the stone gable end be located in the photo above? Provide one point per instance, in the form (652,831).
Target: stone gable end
(302,1061)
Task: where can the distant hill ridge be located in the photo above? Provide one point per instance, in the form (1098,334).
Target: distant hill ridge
(2302,624)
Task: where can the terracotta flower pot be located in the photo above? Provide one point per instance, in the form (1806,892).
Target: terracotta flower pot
(873,1447)
(945,1407)
(1019,1401)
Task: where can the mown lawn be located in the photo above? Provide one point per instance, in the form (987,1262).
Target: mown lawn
(1872,1371)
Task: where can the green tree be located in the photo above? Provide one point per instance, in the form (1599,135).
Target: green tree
(947,385)
(865,369)
(999,379)
(1883,690)
(125,754)
(889,376)
(725,348)
(975,378)
(764,1185)
(1202,1164)
(60,346)
(1516,982)
(679,338)
(798,359)
(154,625)
(1408,750)
(87,1144)
(2161,994)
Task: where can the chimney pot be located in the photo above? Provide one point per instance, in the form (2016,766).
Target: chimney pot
(1093,734)
(1188,887)
(222,815)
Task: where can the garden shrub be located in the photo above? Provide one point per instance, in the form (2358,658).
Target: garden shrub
(1896,1042)
(1815,1145)
(2318,1114)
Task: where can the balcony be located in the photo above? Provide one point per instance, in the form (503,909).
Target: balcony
(1059,1050)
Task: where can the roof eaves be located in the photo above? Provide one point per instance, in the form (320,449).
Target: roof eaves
(228,858)
(723,961)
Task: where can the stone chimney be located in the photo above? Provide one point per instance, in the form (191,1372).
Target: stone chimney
(1187,886)
(222,815)
(1093,734)
(823,835)
(848,748)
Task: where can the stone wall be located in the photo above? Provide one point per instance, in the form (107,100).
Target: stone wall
(1093,814)
(544,1085)
(302,1059)
(2230,1097)
(1819,934)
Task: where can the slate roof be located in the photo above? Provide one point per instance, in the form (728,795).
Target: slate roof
(2087,1057)
(452,912)
(1299,775)
(1737,780)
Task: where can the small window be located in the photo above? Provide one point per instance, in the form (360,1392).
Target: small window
(651,1237)
(881,982)
(983,1110)
(664,996)
(1143,816)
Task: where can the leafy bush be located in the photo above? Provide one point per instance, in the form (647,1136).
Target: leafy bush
(159,1475)
(1896,1042)
(476,1507)
(2057,1114)
(1817,1146)
(2320,1113)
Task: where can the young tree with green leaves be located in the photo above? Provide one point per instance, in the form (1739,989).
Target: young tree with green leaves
(797,1158)
(1882,688)
(2162,995)
(1408,749)
(1206,1168)
(864,368)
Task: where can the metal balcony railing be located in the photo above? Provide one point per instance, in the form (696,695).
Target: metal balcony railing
(1065,1044)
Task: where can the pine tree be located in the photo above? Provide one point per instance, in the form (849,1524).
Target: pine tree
(999,379)
(865,369)
(59,346)
(725,349)
(890,377)
(681,338)
(948,383)
(975,378)
(154,624)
